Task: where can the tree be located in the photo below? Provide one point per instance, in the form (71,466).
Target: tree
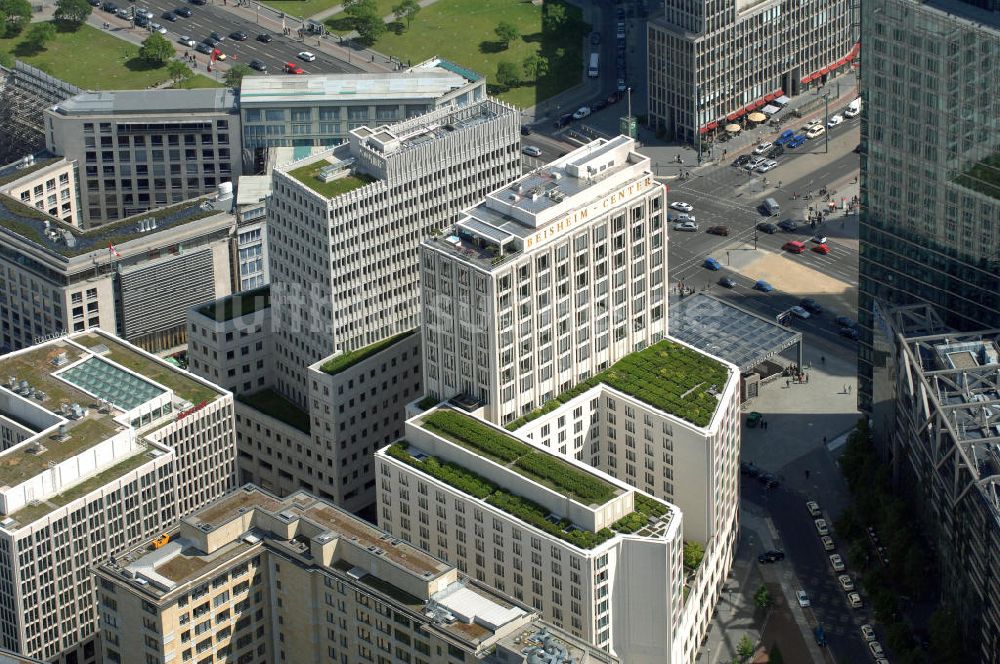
(555,15)
(508,74)
(179,72)
(535,67)
(234,77)
(762,598)
(506,33)
(39,34)
(16,15)
(156,49)
(73,11)
(693,554)
(407,9)
(370,29)
(745,648)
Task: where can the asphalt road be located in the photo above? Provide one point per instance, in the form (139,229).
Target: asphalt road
(208,18)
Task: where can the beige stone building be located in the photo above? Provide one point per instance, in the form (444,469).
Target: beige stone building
(45,182)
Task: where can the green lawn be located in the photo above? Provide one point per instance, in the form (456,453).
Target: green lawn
(93,60)
(309,176)
(339,23)
(301,8)
(462,31)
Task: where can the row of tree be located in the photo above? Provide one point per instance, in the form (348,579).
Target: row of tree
(370,25)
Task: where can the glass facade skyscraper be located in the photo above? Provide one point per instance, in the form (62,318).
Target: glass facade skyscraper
(930,167)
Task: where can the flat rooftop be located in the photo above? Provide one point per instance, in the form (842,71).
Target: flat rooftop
(671,377)
(15,171)
(344,177)
(361,88)
(344,361)
(237,305)
(65,240)
(149,102)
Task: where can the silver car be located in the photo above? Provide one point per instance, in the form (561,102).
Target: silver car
(764,167)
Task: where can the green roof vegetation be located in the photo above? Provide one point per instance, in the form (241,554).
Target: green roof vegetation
(427,403)
(526,510)
(309,176)
(20,465)
(238,304)
(523,459)
(342,362)
(27,170)
(181,383)
(274,405)
(31,513)
(983,176)
(694,553)
(668,376)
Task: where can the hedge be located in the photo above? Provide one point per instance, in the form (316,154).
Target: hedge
(585,488)
(449,473)
(649,506)
(534,514)
(470,433)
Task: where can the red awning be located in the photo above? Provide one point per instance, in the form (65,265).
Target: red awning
(809,78)
(854,51)
(712,125)
(780,92)
(759,103)
(735,114)
(769,97)
(824,70)
(703,130)
(748,108)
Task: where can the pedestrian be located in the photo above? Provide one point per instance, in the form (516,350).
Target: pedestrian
(845,388)
(824,440)
(822,359)
(807,378)
(186,55)
(849,388)
(788,382)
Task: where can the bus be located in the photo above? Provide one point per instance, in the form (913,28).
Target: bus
(594,70)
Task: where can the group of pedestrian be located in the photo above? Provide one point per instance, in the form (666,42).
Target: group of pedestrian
(190,59)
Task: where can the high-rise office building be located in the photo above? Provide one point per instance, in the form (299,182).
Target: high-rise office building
(547,281)
(255,578)
(102,445)
(709,63)
(344,227)
(930,172)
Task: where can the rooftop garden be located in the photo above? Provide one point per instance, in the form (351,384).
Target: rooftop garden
(668,376)
(538,466)
(238,304)
(20,465)
(309,176)
(984,176)
(526,510)
(273,404)
(27,170)
(346,360)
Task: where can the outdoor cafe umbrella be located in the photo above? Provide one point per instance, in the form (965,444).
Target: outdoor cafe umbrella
(757,117)
(733,128)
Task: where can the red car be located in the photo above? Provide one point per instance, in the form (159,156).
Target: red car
(794,246)
(821,249)
(292,68)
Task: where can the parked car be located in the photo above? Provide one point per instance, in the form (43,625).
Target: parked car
(621,85)
(816,131)
(854,599)
(776,151)
(754,162)
(786,136)
(689,226)
(768,480)
(187,41)
(265,38)
(796,141)
(802,597)
(767,227)
(581,113)
(821,249)
(747,468)
(595,38)
(799,312)
(834,120)
(846,582)
(821,527)
(293,68)
(753,419)
(183,11)
(849,332)
(258,65)
(813,508)
(239,35)
(563,120)
(123,13)
(210,42)
(876,649)
(718,230)
(788,225)
(837,562)
(811,305)
(156,27)
(794,247)
(828,544)
(741,160)
(598,105)
(217,37)
(532,150)
(765,166)
(727,282)
(684,216)
(763,286)
(712,264)
(820,635)
(141,21)
(844,321)
(762,147)
(867,632)
(202,47)
(682,206)
(525,130)
(306,56)
(771,556)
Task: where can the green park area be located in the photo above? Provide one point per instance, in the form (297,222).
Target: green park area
(301,8)
(91,59)
(527,52)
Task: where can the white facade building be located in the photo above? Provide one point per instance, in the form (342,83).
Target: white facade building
(104,444)
(546,281)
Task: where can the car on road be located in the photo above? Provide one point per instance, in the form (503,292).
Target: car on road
(598,105)
(718,230)
(797,141)
(846,582)
(258,65)
(712,264)
(849,332)
(156,27)
(747,468)
(776,151)
(95,3)
(727,282)
(141,21)
(581,113)
(768,480)
(595,38)
(563,120)
(867,632)
(834,120)
(816,131)
(683,216)
(183,11)
(811,305)
(532,150)
(802,597)
(239,35)
(217,36)
(828,544)
(306,56)
(799,312)
(786,136)
(682,206)
(621,85)
(187,41)
(766,166)
(876,649)
(822,527)
(763,286)
(820,635)
(837,562)
(788,225)
(772,556)
(819,238)
(213,43)
(754,162)
(753,419)
(293,68)
(123,13)
(198,2)
(741,160)
(844,321)
(168,16)
(854,599)
(767,227)
(762,147)
(794,247)
(202,47)
(265,38)
(813,508)
(686,226)
(525,130)
(821,249)
(142,11)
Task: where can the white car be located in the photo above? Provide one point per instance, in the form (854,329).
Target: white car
(684,216)
(581,113)
(187,41)
(802,597)
(813,507)
(846,582)
(682,206)
(766,166)
(828,544)
(867,632)
(156,27)
(799,312)
(834,120)
(532,151)
(307,56)
(818,238)
(621,85)
(876,649)
(754,163)
(144,12)
(852,112)
(762,148)
(821,527)
(686,226)
(854,599)
(837,562)
(816,131)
